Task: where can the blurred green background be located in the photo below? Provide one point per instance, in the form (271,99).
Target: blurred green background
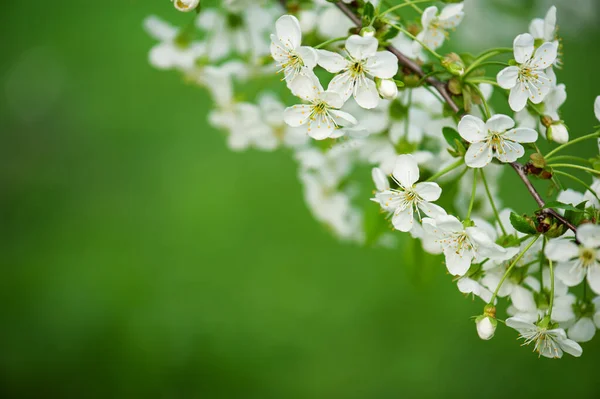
(142,258)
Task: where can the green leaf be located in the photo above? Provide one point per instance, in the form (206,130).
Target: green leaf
(560,205)
(576,217)
(451,136)
(368,13)
(522,224)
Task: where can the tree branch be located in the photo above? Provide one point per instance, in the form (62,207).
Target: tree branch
(442,88)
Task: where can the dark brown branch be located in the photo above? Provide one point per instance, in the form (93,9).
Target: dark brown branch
(441,88)
(536,196)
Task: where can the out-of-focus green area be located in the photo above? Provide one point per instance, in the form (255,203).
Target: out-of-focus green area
(143,259)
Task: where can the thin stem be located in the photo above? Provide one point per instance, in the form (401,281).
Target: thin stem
(512,265)
(483,64)
(577,140)
(492,203)
(569,158)
(447,169)
(484,102)
(542,257)
(482,58)
(407,33)
(490,82)
(328,42)
(473,192)
(584,184)
(407,3)
(568,165)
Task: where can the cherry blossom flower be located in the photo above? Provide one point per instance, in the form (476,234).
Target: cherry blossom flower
(293,59)
(548,342)
(411,196)
(576,262)
(362,64)
(185,5)
(462,245)
(322,116)
(494,138)
(435,27)
(528,80)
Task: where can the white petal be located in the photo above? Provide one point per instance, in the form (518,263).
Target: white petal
(522,135)
(478,155)
(507,78)
(343,118)
(403,219)
(544,56)
(428,16)
(383,65)
(458,263)
(428,191)
(569,274)
(449,224)
(342,84)
(571,347)
(589,235)
(561,250)
(366,94)
(499,123)
(332,98)
(432,210)
(522,299)
(380,179)
(331,62)
(472,129)
(583,330)
(523,47)
(597,108)
(520,324)
(518,97)
(593,278)
(536,28)
(361,47)
(288,31)
(296,115)
(509,151)
(320,128)
(451,16)
(406,171)
(305,87)
(309,56)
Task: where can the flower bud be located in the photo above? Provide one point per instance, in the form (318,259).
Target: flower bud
(186,5)
(557,132)
(453,64)
(486,327)
(387,89)
(367,31)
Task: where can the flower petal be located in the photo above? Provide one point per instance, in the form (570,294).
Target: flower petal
(478,155)
(296,115)
(331,62)
(569,273)
(593,278)
(406,171)
(507,78)
(571,347)
(342,84)
(288,31)
(583,330)
(561,250)
(523,47)
(518,97)
(309,56)
(472,129)
(597,108)
(383,65)
(544,56)
(403,219)
(499,123)
(428,191)
(589,235)
(365,93)
(458,263)
(361,47)
(343,118)
(522,135)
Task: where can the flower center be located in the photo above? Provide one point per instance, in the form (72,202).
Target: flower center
(357,68)
(496,140)
(587,256)
(294,62)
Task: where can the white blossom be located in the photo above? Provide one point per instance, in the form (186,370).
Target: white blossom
(435,27)
(495,138)
(357,70)
(185,5)
(548,342)
(411,196)
(528,80)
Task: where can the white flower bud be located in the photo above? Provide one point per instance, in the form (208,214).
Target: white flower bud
(186,5)
(387,89)
(557,132)
(367,31)
(486,327)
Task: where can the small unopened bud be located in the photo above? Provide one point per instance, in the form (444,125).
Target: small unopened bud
(387,89)
(186,5)
(454,64)
(557,132)
(368,31)
(486,327)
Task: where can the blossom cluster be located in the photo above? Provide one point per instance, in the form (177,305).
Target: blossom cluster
(372,91)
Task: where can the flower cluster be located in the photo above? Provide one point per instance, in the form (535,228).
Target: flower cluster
(372,91)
